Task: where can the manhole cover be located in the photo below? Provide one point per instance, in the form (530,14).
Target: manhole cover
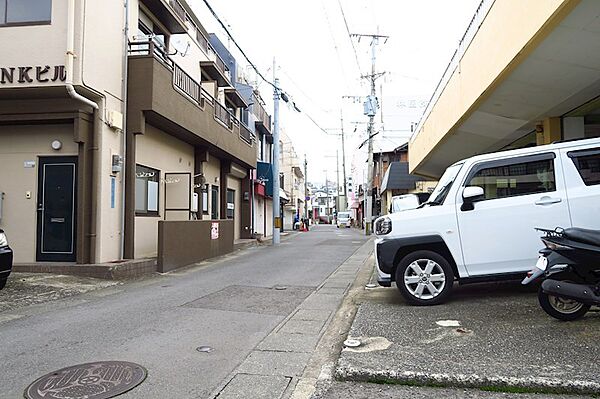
(98,380)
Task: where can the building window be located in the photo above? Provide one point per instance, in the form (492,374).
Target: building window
(516,179)
(214,203)
(147,31)
(21,12)
(587,163)
(146,191)
(230,203)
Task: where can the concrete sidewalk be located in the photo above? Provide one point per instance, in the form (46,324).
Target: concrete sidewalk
(25,289)
(492,336)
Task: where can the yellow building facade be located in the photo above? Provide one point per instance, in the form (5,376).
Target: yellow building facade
(526,73)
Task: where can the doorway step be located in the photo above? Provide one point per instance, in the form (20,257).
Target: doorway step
(119,270)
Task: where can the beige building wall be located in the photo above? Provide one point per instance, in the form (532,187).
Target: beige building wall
(212,174)
(47,45)
(19,144)
(98,64)
(424,186)
(236,184)
(103,46)
(158,150)
(109,218)
(496,49)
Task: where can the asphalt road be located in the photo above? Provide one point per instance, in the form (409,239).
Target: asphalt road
(230,304)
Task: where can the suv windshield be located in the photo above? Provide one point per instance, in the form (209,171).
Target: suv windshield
(443,187)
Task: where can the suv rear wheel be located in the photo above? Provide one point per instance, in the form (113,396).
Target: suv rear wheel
(424,278)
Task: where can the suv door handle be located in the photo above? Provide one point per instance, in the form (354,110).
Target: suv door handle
(548,201)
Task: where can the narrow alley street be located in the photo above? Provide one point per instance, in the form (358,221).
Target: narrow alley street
(230,305)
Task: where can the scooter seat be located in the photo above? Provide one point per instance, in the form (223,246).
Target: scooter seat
(585,236)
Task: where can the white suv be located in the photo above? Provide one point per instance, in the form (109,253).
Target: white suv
(478,224)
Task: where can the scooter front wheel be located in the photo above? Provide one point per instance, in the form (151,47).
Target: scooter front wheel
(562,308)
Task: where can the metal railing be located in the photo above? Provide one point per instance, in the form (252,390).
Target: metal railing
(150,47)
(187,85)
(190,88)
(207,97)
(178,9)
(218,60)
(260,113)
(480,14)
(245,134)
(222,114)
(202,41)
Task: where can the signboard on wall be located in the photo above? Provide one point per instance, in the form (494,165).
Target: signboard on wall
(214,231)
(29,74)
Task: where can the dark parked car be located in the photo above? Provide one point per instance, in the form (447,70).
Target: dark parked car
(6,259)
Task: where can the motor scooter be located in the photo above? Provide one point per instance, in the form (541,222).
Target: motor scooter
(570,266)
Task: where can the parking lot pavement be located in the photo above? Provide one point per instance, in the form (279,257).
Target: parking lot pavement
(24,289)
(487,335)
(349,390)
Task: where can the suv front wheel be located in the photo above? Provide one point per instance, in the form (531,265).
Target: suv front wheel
(424,278)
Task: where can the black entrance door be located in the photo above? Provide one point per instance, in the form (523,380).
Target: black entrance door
(56,209)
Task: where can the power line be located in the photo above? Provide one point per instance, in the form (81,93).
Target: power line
(335,46)
(350,36)
(278,89)
(325,111)
(237,45)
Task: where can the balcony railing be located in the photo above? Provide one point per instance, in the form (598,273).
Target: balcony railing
(261,114)
(222,114)
(245,134)
(217,59)
(187,85)
(178,8)
(190,88)
(149,46)
(202,41)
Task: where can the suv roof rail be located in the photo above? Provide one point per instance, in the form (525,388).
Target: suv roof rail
(570,140)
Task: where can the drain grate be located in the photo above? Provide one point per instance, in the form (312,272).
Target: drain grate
(98,380)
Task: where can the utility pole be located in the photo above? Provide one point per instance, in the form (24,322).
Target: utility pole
(305,189)
(370,110)
(276,204)
(344,163)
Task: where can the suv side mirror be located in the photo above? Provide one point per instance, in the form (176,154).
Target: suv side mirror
(470,195)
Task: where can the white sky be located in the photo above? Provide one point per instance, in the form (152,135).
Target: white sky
(317,65)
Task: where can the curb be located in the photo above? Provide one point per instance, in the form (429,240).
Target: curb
(407,377)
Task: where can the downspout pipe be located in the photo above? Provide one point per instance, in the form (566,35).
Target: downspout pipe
(69,62)
(124,142)
(70,55)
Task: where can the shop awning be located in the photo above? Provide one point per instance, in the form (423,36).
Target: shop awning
(283,197)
